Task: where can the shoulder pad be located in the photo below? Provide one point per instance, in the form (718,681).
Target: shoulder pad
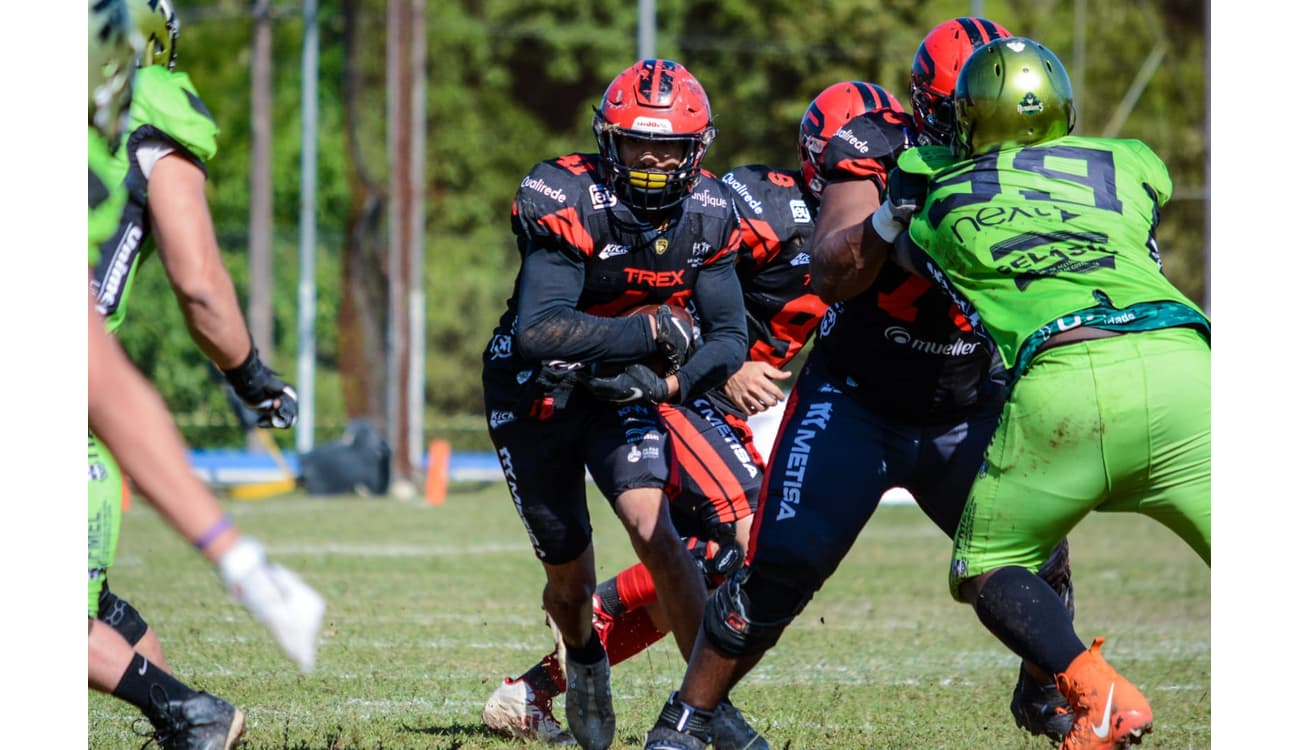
(555,197)
(867,147)
(167,101)
(710,197)
(926,160)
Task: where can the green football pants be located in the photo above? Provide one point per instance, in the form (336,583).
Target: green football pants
(1114,424)
(103,518)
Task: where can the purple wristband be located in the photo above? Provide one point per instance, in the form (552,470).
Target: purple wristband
(209,536)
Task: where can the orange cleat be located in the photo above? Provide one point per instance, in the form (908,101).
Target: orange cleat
(1109,711)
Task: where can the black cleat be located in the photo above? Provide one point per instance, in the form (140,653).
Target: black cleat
(201,722)
(1041,709)
(662,737)
(588,706)
(732,732)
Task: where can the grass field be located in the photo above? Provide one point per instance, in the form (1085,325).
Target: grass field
(430,606)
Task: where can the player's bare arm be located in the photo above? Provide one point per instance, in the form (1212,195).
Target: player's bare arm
(846,254)
(120,403)
(187,246)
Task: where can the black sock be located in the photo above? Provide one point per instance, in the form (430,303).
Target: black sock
(539,678)
(139,682)
(589,654)
(1027,615)
(607,592)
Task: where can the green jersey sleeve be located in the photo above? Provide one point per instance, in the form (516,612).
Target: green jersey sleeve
(1055,234)
(167,102)
(107,196)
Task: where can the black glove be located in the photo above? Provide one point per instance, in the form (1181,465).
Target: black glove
(906,194)
(727,560)
(674,337)
(636,383)
(258,387)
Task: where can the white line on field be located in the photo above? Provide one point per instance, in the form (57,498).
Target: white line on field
(395,550)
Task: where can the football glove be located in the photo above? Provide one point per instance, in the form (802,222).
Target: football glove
(636,383)
(906,194)
(673,336)
(258,387)
(277,597)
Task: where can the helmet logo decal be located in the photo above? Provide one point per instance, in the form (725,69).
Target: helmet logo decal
(652,124)
(1030,105)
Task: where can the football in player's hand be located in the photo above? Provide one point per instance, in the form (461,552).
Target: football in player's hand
(676,334)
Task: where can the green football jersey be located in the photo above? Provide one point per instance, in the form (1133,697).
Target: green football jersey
(1034,240)
(106,195)
(164,106)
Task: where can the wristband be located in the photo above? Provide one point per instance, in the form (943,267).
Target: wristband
(885,224)
(206,539)
(251,372)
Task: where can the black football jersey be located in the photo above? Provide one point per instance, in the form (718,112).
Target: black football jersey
(901,345)
(563,206)
(776,223)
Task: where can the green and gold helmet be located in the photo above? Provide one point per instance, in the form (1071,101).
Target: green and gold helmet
(110,65)
(158,27)
(1011,92)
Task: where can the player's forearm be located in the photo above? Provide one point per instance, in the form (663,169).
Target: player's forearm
(840,269)
(846,254)
(215,322)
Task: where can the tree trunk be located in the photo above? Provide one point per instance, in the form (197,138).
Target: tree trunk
(363,312)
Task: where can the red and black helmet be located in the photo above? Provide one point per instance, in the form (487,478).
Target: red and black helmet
(656,100)
(934,72)
(831,110)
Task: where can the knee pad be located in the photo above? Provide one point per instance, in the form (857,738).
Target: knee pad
(1056,571)
(121,616)
(729,625)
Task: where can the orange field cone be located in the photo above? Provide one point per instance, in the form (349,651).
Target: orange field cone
(435,477)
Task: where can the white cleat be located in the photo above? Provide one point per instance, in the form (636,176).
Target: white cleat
(515,710)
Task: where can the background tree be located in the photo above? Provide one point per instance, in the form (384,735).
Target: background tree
(514,81)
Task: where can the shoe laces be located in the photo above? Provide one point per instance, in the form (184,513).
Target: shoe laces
(166,727)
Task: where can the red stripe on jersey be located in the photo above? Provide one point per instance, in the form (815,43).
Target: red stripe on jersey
(794,325)
(566,224)
(620,304)
(732,247)
(863,168)
(709,471)
(761,239)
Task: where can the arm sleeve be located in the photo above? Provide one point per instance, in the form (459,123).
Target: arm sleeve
(550,326)
(721,308)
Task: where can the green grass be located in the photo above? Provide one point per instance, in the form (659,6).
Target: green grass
(430,606)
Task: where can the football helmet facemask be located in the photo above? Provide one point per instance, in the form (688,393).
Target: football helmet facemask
(654,100)
(156,22)
(934,72)
(827,113)
(111,55)
(1011,92)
